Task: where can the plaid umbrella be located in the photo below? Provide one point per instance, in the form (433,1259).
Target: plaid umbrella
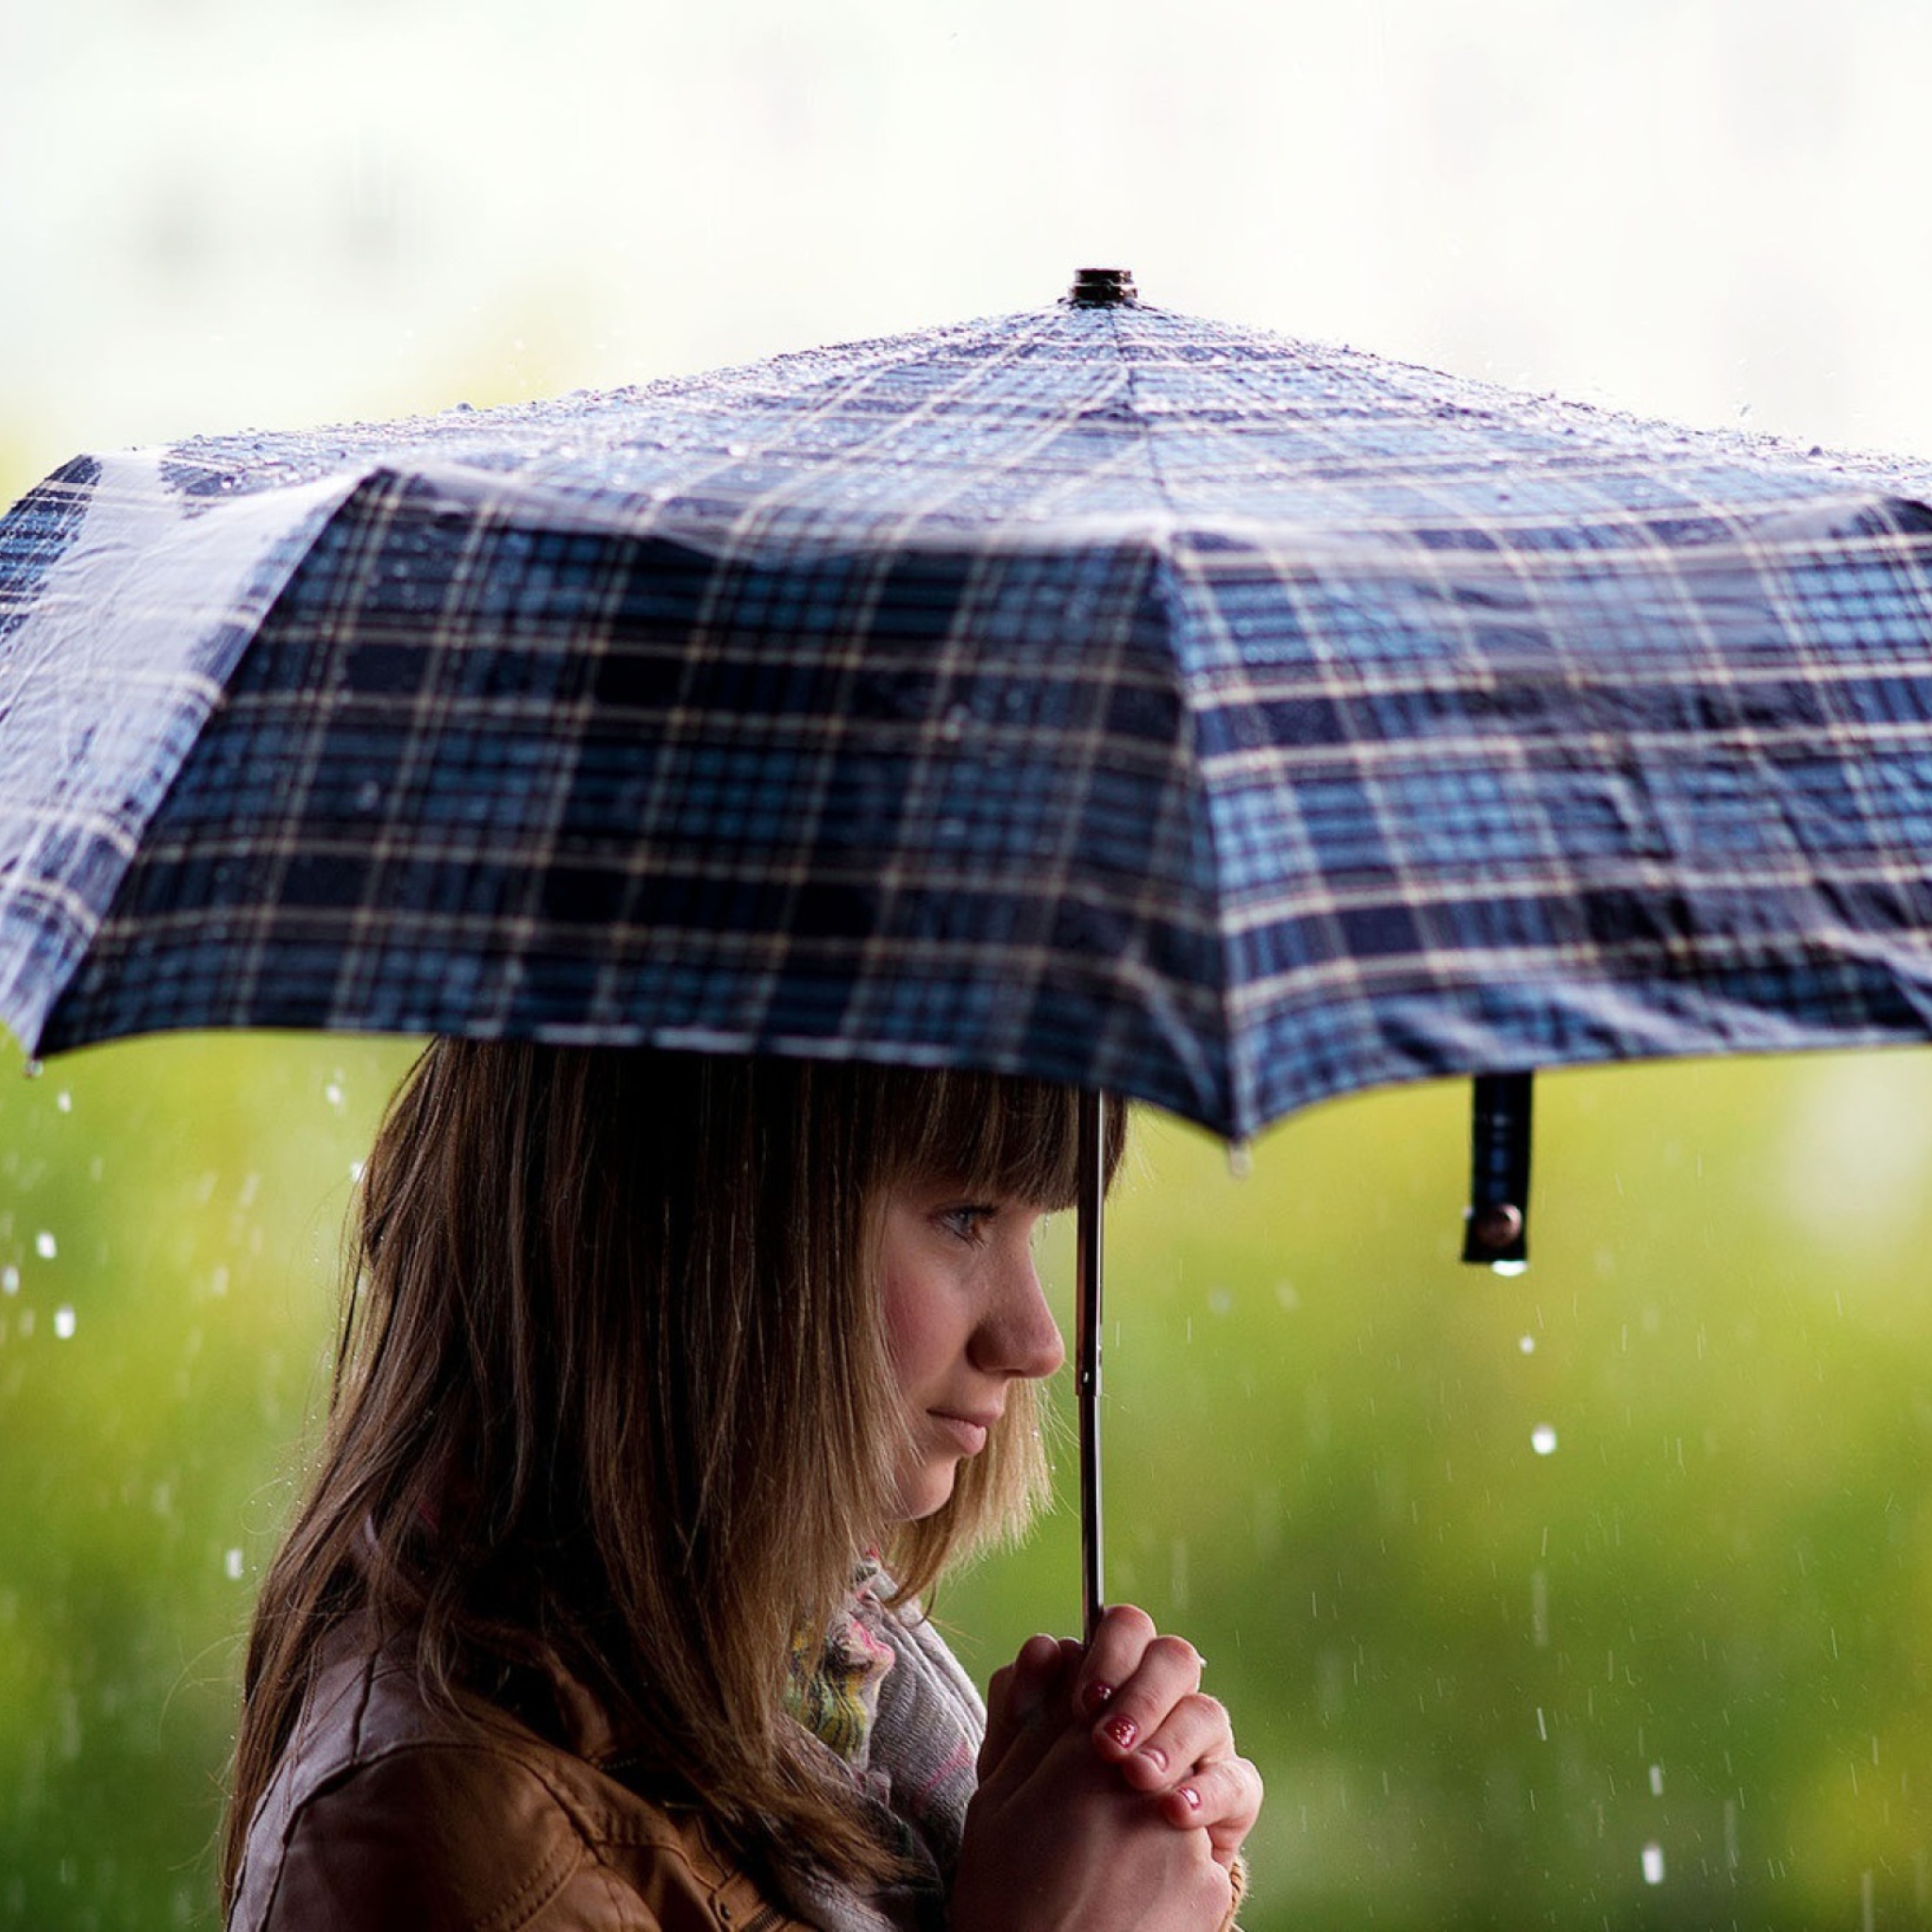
(1100,693)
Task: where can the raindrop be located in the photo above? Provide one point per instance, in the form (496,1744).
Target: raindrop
(1527,1344)
(333,1094)
(46,1246)
(64,1102)
(1656,1780)
(1510,1268)
(1543,1439)
(9,1280)
(232,1564)
(1653,1864)
(369,795)
(64,1323)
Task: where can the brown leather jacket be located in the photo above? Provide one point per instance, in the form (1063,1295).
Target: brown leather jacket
(386,1816)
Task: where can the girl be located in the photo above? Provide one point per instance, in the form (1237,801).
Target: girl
(666,1384)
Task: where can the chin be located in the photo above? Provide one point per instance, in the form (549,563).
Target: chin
(928,1494)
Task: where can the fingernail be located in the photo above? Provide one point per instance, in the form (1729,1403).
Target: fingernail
(1098,1694)
(1122,1730)
(1190,1797)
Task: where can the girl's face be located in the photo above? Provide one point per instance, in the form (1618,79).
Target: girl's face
(965,1316)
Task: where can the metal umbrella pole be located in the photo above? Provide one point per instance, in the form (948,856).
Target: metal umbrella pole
(1090,1201)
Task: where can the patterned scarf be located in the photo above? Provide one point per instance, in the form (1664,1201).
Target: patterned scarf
(891,1702)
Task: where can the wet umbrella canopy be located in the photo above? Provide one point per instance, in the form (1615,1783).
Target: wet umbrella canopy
(1097,693)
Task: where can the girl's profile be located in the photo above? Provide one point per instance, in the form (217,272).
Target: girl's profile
(667,1385)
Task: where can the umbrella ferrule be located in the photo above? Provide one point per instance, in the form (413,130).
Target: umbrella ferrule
(1103,288)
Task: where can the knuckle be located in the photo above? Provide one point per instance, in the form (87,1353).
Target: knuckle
(1177,1652)
(1129,1620)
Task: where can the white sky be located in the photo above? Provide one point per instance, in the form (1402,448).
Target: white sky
(215,213)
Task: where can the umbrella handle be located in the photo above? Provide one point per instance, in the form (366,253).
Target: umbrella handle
(1089,1201)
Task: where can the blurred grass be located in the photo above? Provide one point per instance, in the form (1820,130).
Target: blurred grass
(1481,1681)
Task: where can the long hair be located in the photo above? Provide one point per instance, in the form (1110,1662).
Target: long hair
(612,1395)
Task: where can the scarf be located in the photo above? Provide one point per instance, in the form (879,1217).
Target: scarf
(890,1704)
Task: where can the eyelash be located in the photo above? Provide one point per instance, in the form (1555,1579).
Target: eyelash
(967,1223)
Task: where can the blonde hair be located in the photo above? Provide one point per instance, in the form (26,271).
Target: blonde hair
(613,1394)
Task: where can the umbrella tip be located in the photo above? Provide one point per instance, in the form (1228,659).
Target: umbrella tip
(1103,288)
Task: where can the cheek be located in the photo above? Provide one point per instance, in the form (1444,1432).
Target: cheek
(918,1334)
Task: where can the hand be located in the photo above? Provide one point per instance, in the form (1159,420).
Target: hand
(1150,1718)
(1056,1841)
(1083,1817)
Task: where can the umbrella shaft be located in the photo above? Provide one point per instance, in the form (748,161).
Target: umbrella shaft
(1089,1204)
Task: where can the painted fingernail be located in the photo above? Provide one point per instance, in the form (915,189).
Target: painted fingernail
(1122,1730)
(1189,1797)
(1098,1694)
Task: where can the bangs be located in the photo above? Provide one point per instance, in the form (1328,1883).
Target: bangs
(995,1134)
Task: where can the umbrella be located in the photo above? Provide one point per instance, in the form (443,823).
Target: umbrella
(1146,704)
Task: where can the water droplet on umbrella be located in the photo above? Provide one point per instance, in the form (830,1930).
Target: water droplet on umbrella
(9,1280)
(1543,1439)
(1653,1864)
(46,1246)
(232,1564)
(64,1323)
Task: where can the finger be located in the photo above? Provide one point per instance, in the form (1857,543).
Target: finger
(1017,1695)
(1169,1670)
(1113,1654)
(1223,1799)
(1195,1732)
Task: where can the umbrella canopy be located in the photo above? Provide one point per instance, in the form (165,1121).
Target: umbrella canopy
(1101,694)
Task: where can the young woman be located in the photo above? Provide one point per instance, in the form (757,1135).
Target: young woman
(666,1383)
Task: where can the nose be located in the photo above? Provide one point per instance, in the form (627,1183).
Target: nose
(1017,1334)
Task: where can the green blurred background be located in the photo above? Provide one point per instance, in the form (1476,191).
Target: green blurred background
(1673,1672)
(1597,1595)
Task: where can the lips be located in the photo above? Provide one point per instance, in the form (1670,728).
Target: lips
(965,1432)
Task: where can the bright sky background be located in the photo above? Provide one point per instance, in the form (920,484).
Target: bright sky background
(218,212)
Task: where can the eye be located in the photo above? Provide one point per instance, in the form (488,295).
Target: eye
(968,1221)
